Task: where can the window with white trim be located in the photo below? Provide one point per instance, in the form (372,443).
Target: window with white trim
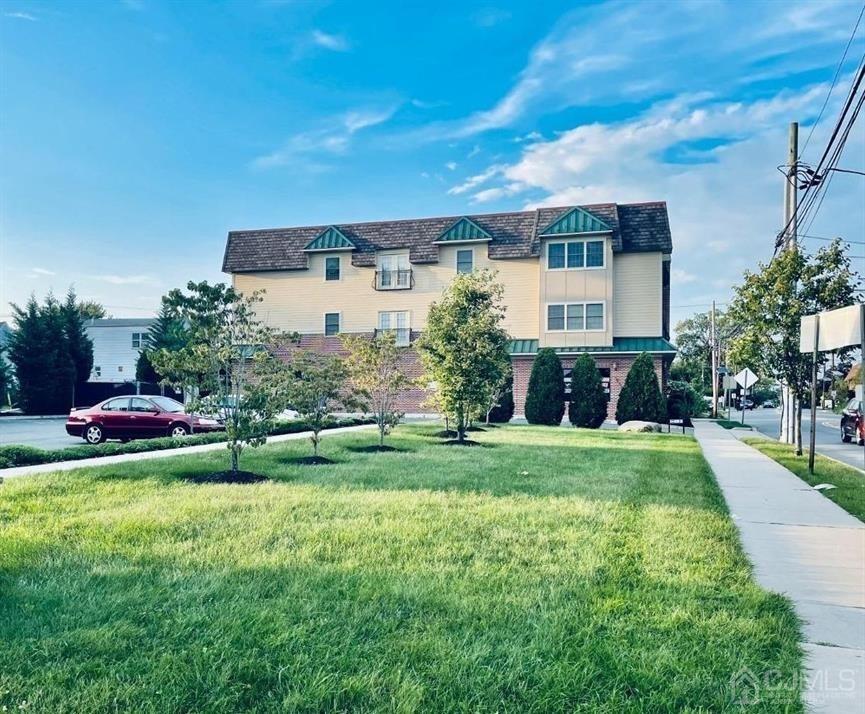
(331,268)
(397,322)
(331,323)
(465,260)
(575,317)
(575,255)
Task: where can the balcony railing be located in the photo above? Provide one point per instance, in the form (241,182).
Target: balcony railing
(393,280)
(402,335)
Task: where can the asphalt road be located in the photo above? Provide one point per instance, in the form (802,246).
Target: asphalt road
(41,433)
(828,439)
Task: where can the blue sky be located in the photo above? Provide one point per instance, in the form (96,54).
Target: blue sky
(134,134)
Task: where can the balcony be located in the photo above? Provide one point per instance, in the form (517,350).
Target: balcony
(401,334)
(393,280)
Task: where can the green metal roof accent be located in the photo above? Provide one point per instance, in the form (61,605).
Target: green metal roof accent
(621,345)
(330,238)
(574,221)
(465,229)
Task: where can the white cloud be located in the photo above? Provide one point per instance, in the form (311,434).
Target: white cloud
(126,279)
(476,180)
(330,140)
(493,194)
(451,165)
(474,152)
(335,43)
(42,271)
(21,16)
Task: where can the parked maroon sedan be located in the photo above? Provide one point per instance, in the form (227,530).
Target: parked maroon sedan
(135,418)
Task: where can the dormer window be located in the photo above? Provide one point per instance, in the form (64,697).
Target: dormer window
(575,254)
(331,268)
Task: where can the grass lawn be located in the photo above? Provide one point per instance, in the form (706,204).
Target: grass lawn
(849,491)
(731,424)
(549,569)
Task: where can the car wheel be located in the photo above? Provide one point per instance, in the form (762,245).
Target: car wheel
(845,437)
(93,434)
(178,431)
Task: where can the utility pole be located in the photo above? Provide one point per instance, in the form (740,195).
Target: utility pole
(791,201)
(713,343)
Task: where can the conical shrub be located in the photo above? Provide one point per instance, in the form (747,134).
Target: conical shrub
(545,399)
(588,404)
(641,396)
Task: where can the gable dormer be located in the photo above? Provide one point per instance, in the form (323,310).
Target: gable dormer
(331,238)
(575,221)
(465,230)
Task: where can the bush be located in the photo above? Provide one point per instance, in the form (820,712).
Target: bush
(683,401)
(28,456)
(588,405)
(545,400)
(503,412)
(641,396)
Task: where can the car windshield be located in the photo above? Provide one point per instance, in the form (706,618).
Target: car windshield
(166,404)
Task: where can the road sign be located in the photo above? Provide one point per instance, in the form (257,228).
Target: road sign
(747,378)
(838,328)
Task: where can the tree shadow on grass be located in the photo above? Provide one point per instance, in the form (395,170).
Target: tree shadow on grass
(238,477)
(310,461)
(376,449)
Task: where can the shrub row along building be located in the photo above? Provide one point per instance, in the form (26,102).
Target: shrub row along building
(590,279)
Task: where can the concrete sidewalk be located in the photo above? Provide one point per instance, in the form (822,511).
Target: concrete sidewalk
(165,453)
(810,550)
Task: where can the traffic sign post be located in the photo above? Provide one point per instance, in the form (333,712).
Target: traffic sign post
(746,378)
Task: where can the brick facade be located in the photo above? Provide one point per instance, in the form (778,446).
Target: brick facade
(414,400)
(618,366)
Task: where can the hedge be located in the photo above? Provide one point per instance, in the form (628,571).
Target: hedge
(545,397)
(15,455)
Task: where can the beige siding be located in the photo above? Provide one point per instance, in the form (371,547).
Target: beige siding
(576,285)
(637,297)
(296,300)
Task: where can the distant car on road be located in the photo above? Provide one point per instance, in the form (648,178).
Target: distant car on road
(768,404)
(136,417)
(748,404)
(853,422)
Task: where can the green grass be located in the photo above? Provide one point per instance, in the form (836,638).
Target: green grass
(549,569)
(731,424)
(849,491)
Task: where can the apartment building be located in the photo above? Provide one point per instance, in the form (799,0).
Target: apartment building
(579,279)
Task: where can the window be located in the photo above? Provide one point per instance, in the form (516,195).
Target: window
(116,405)
(575,317)
(331,268)
(97,371)
(331,323)
(397,322)
(394,272)
(465,260)
(137,404)
(575,255)
(136,340)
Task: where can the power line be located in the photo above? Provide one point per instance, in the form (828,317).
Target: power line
(834,81)
(826,238)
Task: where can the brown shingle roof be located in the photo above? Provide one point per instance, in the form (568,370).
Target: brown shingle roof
(637,227)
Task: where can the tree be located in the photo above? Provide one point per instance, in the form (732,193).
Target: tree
(6,381)
(770,303)
(78,344)
(502,410)
(683,401)
(545,397)
(92,310)
(464,347)
(373,370)
(226,356)
(39,351)
(314,384)
(167,333)
(588,404)
(641,397)
(693,338)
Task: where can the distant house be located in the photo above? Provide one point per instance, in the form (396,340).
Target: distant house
(116,346)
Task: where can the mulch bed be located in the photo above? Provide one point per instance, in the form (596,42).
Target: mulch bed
(445,434)
(312,461)
(475,428)
(457,442)
(229,477)
(373,449)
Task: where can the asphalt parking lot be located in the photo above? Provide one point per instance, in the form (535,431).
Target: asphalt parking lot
(48,433)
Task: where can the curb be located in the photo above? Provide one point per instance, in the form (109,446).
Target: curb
(18,471)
